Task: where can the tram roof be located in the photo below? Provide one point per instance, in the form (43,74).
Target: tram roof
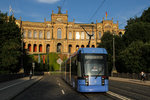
(93,50)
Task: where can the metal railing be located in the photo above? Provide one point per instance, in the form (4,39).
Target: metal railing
(131,76)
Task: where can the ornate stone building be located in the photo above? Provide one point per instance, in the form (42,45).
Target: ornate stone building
(59,35)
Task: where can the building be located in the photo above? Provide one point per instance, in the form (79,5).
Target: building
(59,35)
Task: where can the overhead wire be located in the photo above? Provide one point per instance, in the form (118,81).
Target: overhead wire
(101,4)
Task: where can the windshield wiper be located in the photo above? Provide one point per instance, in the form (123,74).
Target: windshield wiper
(97,74)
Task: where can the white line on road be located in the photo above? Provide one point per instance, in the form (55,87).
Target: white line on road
(59,84)
(118,96)
(62,91)
(12,85)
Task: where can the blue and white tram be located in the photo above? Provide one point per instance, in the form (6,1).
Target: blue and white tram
(86,70)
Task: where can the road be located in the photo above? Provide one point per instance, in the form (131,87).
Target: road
(52,87)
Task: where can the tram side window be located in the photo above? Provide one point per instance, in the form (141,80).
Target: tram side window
(68,66)
(79,69)
(73,67)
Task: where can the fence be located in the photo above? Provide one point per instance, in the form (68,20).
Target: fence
(131,76)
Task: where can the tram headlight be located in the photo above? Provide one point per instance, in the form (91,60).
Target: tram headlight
(86,80)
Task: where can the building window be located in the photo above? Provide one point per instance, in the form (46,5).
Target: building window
(24,33)
(59,33)
(82,46)
(35,48)
(99,35)
(93,46)
(87,36)
(40,48)
(69,49)
(82,35)
(35,34)
(40,34)
(48,35)
(77,47)
(47,48)
(29,47)
(77,35)
(70,35)
(59,47)
(93,37)
(29,34)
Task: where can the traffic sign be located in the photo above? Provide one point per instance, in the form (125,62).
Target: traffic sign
(59,61)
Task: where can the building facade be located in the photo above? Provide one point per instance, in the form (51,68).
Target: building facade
(59,35)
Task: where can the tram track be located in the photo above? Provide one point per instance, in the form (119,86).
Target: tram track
(128,93)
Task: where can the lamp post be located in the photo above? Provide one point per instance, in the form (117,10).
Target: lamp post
(114,67)
(48,57)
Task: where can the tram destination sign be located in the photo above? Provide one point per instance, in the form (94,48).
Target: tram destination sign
(93,57)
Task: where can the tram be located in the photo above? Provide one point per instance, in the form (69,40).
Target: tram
(86,70)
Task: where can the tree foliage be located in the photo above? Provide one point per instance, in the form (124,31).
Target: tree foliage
(10,42)
(132,50)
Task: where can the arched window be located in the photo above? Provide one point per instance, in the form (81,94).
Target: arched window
(93,46)
(77,47)
(40,48)
(29,47)
(120,34)
(77,35)
(34,34)
(47,48)
(48,35)
(35,48)
(40,34)
(59,47)
(59,33)
(82,35)
(69,48)
(70,35)
(29,34)
(82,46)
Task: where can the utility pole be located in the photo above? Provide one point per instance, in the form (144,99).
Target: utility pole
(114,67)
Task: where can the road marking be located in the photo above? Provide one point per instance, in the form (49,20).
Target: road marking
(59,84)
(12,85)
(62,91)
(118,96)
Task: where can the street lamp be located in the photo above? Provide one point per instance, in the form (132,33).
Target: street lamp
(48,56)
(114,67)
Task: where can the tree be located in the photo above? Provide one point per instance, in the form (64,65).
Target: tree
(132,57)
(10,52)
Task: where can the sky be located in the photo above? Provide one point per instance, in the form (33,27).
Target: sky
(83,11)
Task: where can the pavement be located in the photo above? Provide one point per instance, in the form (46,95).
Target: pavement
(10,89)
(135,81)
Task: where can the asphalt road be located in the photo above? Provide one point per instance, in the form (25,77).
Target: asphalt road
(54,88)
(130,90)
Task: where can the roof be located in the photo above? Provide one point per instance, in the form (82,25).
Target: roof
(93,50)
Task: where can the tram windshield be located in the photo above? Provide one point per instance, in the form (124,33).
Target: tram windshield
(94,65)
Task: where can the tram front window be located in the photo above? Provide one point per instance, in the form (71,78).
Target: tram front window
(94,65)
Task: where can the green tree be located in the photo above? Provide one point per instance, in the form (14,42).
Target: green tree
(132,58)
(10,52)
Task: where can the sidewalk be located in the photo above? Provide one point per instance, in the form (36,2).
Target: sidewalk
(146,83)
(10,89)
